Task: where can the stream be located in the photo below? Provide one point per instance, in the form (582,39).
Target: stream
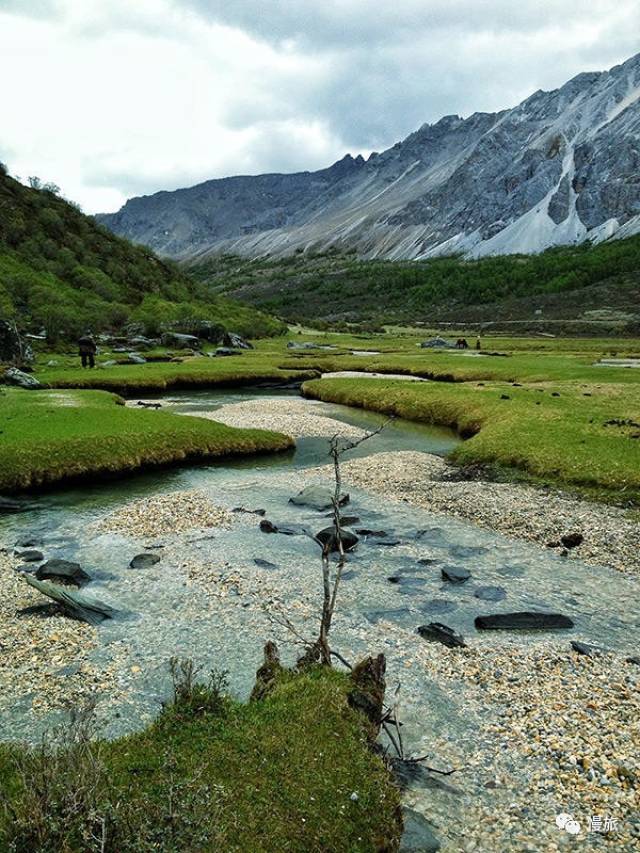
(164,612)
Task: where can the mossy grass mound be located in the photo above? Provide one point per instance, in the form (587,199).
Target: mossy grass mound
(293,771)
(54,436)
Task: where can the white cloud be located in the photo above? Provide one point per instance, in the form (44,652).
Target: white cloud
(110,98)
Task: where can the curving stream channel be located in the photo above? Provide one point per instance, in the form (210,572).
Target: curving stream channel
(208,599)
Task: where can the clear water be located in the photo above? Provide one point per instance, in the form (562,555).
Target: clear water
(164,613)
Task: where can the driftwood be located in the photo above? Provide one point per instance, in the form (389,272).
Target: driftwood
(74,604)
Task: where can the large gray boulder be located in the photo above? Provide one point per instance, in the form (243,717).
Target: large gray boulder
(179,341)
(317,497)
(13,376)
(63,571)
(235,341)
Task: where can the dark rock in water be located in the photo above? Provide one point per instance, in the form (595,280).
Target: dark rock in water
(29,568)
(455,575)
(401,614)
(418,835)
(462,551)
(572,540)
(144,561)
(406,582)
(74,604)
(249,511)
(29,542)
(364,531)
(232,339)
(267,527)
(317,497)
(522,621)
(432,535)
(31,555)
(635,659)
(328,536)
(346,520)
(63,571)
(292,530)
(427,561)
(438,605)
(490,593)
(388,541)
(586,649)
(264,564)
(440,633)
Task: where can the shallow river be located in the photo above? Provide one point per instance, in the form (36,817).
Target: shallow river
(166,614)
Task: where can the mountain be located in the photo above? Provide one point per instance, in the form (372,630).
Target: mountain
(560,168)
(62,271)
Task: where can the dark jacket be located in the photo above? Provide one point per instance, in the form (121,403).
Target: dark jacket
(86,345)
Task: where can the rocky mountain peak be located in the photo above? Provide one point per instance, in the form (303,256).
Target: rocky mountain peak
(561,167)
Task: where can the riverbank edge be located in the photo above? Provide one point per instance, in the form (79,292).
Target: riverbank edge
(111,442)
(469,461)
(277,769)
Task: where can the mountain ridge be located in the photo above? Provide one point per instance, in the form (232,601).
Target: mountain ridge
(559,168)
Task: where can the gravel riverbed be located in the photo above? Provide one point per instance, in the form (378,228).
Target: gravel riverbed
(611,538)
(532,728)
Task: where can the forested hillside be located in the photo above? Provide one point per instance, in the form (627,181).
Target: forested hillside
(61,271)
(567,283)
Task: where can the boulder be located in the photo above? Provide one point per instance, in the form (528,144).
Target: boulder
(144,561)
(440,633)
(455,575)
(264,564)
(418,835)
(317,497)
(490,593)
(436,343)
(364,531)
(572,540)
(63,571)
(235,341)
(328,536)
(586,649)
(74,604)
(267,527)
(31,555)
(224,351)
(522,621)
(13,376)
(175,339)
(134,358)
(142,343)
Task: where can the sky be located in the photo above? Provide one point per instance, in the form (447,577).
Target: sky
(115,98)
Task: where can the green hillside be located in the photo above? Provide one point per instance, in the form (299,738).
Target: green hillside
(580,284)
(62,271)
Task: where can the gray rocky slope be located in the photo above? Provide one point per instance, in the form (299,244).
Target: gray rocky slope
(561,167)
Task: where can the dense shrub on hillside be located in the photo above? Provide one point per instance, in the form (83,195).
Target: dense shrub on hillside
(333,287)
(60,270)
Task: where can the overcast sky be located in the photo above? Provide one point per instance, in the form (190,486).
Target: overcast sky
(115,98)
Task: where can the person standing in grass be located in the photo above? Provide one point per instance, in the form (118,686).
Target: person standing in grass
(87,350)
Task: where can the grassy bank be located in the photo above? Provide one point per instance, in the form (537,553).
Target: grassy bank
(53,436)
(212,774)
(549,431)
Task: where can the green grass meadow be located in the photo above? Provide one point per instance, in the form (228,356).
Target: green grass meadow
(51,436)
